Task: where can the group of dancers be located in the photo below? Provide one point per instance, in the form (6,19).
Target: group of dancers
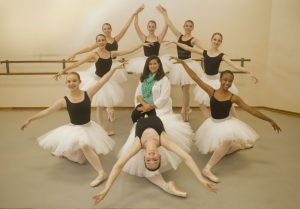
(159,139)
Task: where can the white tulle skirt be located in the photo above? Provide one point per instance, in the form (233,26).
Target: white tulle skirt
(213,132)
(69,138)
(110,95)
(214,81)
(178,131)
(178,76)
(136,65)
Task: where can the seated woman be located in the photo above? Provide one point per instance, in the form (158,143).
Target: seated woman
(153,91)
(149,151)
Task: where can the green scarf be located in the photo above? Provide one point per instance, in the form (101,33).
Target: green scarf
(147,85)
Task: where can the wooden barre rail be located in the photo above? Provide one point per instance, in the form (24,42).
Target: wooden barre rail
(63,61)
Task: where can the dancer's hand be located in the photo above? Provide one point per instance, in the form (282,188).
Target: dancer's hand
(141,8)
(72,57)
(253,77)
(147,44)
(58,75)
(209,186)
(275,126)
(25,124)
(99,197)
(121,65)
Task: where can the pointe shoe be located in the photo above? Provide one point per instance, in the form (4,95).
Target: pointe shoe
(98,180)
(171,189)
(210,176)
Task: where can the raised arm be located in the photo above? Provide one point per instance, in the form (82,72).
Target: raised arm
(136,24)
(194,76)
(116,170)
(164,30)
(236,99)
(164,12)
(239,68)
(90,57)
(188,160)
(53,108)
(94,89)
(84,50)
(125,28)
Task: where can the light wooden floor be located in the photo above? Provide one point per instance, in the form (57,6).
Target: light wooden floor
(265,177)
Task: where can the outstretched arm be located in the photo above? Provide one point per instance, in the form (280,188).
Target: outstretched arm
(164,12)
(94,89)
(84,50)
(199,44)
(239,68)
(188,160)
(188,48)
(194,76)
(124,52)
(136,24)
(116,170)
(53,108)
(255,112)
(90,57)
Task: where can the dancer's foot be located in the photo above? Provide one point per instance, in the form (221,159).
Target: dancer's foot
(100,178)
(171,189)
(210,176)
(110,133)
(185,113)
(247,146)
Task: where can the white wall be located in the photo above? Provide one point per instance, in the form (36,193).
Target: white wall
(51,29)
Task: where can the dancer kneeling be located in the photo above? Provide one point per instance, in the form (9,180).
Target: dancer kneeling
(222,133)
(82,139)
(148,149)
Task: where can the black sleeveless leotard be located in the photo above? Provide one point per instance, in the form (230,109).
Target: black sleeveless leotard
(153,49)
(212,64)
(220,109)
(103,66)
(149,122)
(182,53)
(80,113)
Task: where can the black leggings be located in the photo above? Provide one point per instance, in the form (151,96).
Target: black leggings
(135,115)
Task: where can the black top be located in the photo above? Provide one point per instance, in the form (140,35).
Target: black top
(182,53)
(220,109)
(112,46)
(212,64)
(149,122)
(153,49)
(103,66)
(80,113)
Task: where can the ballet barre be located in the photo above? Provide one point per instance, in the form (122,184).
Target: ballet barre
(64,62)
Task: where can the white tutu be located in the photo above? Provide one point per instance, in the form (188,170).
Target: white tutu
(213,132)
(178,76)
(110,95)
(178,131)
(69,138)
(136,65)
(214,81)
